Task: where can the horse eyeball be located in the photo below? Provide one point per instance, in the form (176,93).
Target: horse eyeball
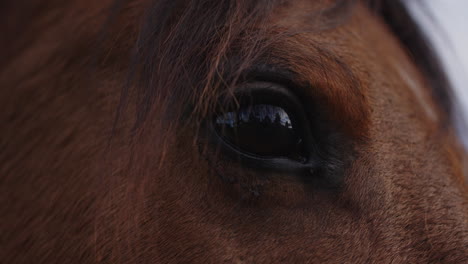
(261,129)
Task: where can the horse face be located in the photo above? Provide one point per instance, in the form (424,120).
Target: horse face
(397,192)
(374,178)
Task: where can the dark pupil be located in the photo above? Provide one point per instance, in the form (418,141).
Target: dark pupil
(261,129)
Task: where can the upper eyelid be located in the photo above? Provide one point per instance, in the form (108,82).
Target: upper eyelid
(288,70)
(274,74)
(318,74)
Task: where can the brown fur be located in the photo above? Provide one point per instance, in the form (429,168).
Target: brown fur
(68,196)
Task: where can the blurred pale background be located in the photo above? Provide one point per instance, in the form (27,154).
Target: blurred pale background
(446,25)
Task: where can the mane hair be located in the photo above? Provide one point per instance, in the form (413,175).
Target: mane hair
(180,60)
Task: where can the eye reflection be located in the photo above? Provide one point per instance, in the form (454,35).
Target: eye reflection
(265,114)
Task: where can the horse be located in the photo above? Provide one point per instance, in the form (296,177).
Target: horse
(202,131)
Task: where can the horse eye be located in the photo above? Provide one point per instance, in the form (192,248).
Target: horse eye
(264,130)
(264,125)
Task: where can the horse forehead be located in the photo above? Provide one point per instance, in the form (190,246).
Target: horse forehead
(318,14)
(298,14)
